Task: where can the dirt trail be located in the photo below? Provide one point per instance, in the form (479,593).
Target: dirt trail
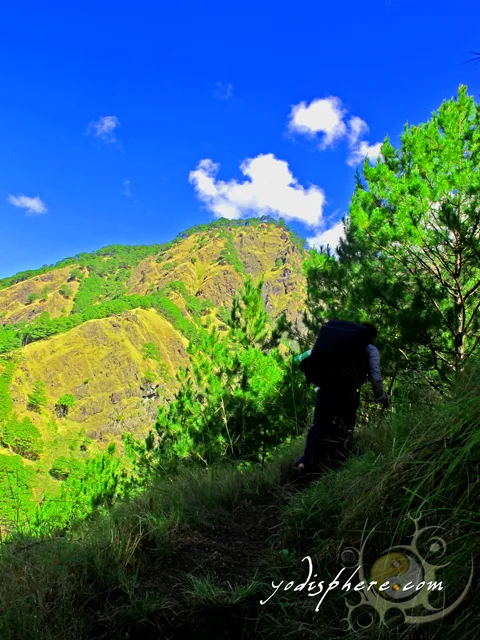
(228,553)
(233,548)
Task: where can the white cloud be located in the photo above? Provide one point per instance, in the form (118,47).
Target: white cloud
(357,127)
(269,189)
(104,128)
(127,191)
(31,205)
(223,91)
(329,237)
(327,116)
(322,115)
(362,150)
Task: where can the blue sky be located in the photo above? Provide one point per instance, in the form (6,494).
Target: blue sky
(129,122)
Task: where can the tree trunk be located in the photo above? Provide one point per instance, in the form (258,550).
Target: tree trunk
(459,316)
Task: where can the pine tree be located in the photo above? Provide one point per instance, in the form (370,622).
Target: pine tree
(236,399)
(411,256)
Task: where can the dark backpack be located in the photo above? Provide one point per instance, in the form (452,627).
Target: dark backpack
(339,357)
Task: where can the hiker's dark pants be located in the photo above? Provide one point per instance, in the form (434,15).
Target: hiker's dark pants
(330,436)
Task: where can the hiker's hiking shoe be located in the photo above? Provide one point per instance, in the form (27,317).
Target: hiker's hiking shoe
(302,476)
(299,470)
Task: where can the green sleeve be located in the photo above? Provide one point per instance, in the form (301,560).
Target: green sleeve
(302,356)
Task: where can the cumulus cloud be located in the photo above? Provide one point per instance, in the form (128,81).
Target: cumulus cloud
(104,128)
(329,237)
(322,115)
(32,206)
(364,150)
(327,116)
(223,91)
(269,188)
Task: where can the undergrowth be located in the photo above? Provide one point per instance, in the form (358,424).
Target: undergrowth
(124,572)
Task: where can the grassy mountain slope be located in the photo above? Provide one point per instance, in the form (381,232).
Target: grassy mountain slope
(53,286)
(110,329)
(102,365)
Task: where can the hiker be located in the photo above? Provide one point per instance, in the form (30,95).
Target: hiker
(342,359)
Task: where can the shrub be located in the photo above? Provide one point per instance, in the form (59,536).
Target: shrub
(32,297)
(230,256)
(164,371)
(38,398)
(9,338)
(76,274)
(173,314)
(6,403)
(168,266)
(66,291)
(62,467)
(15,494)
(65,403)
(23,437)
(150,351)
(150,376)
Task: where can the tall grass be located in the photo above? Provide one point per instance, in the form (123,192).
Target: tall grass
(111,575)
(422,463)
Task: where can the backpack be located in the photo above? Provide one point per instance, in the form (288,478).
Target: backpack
(339,357)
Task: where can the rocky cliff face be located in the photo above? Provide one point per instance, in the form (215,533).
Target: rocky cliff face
(202,263)
(121,366)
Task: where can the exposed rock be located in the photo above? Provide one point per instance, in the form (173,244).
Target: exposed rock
(149,390)
(115,397)
(91,407)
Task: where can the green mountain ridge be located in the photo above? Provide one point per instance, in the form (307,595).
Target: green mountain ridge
(109,331)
